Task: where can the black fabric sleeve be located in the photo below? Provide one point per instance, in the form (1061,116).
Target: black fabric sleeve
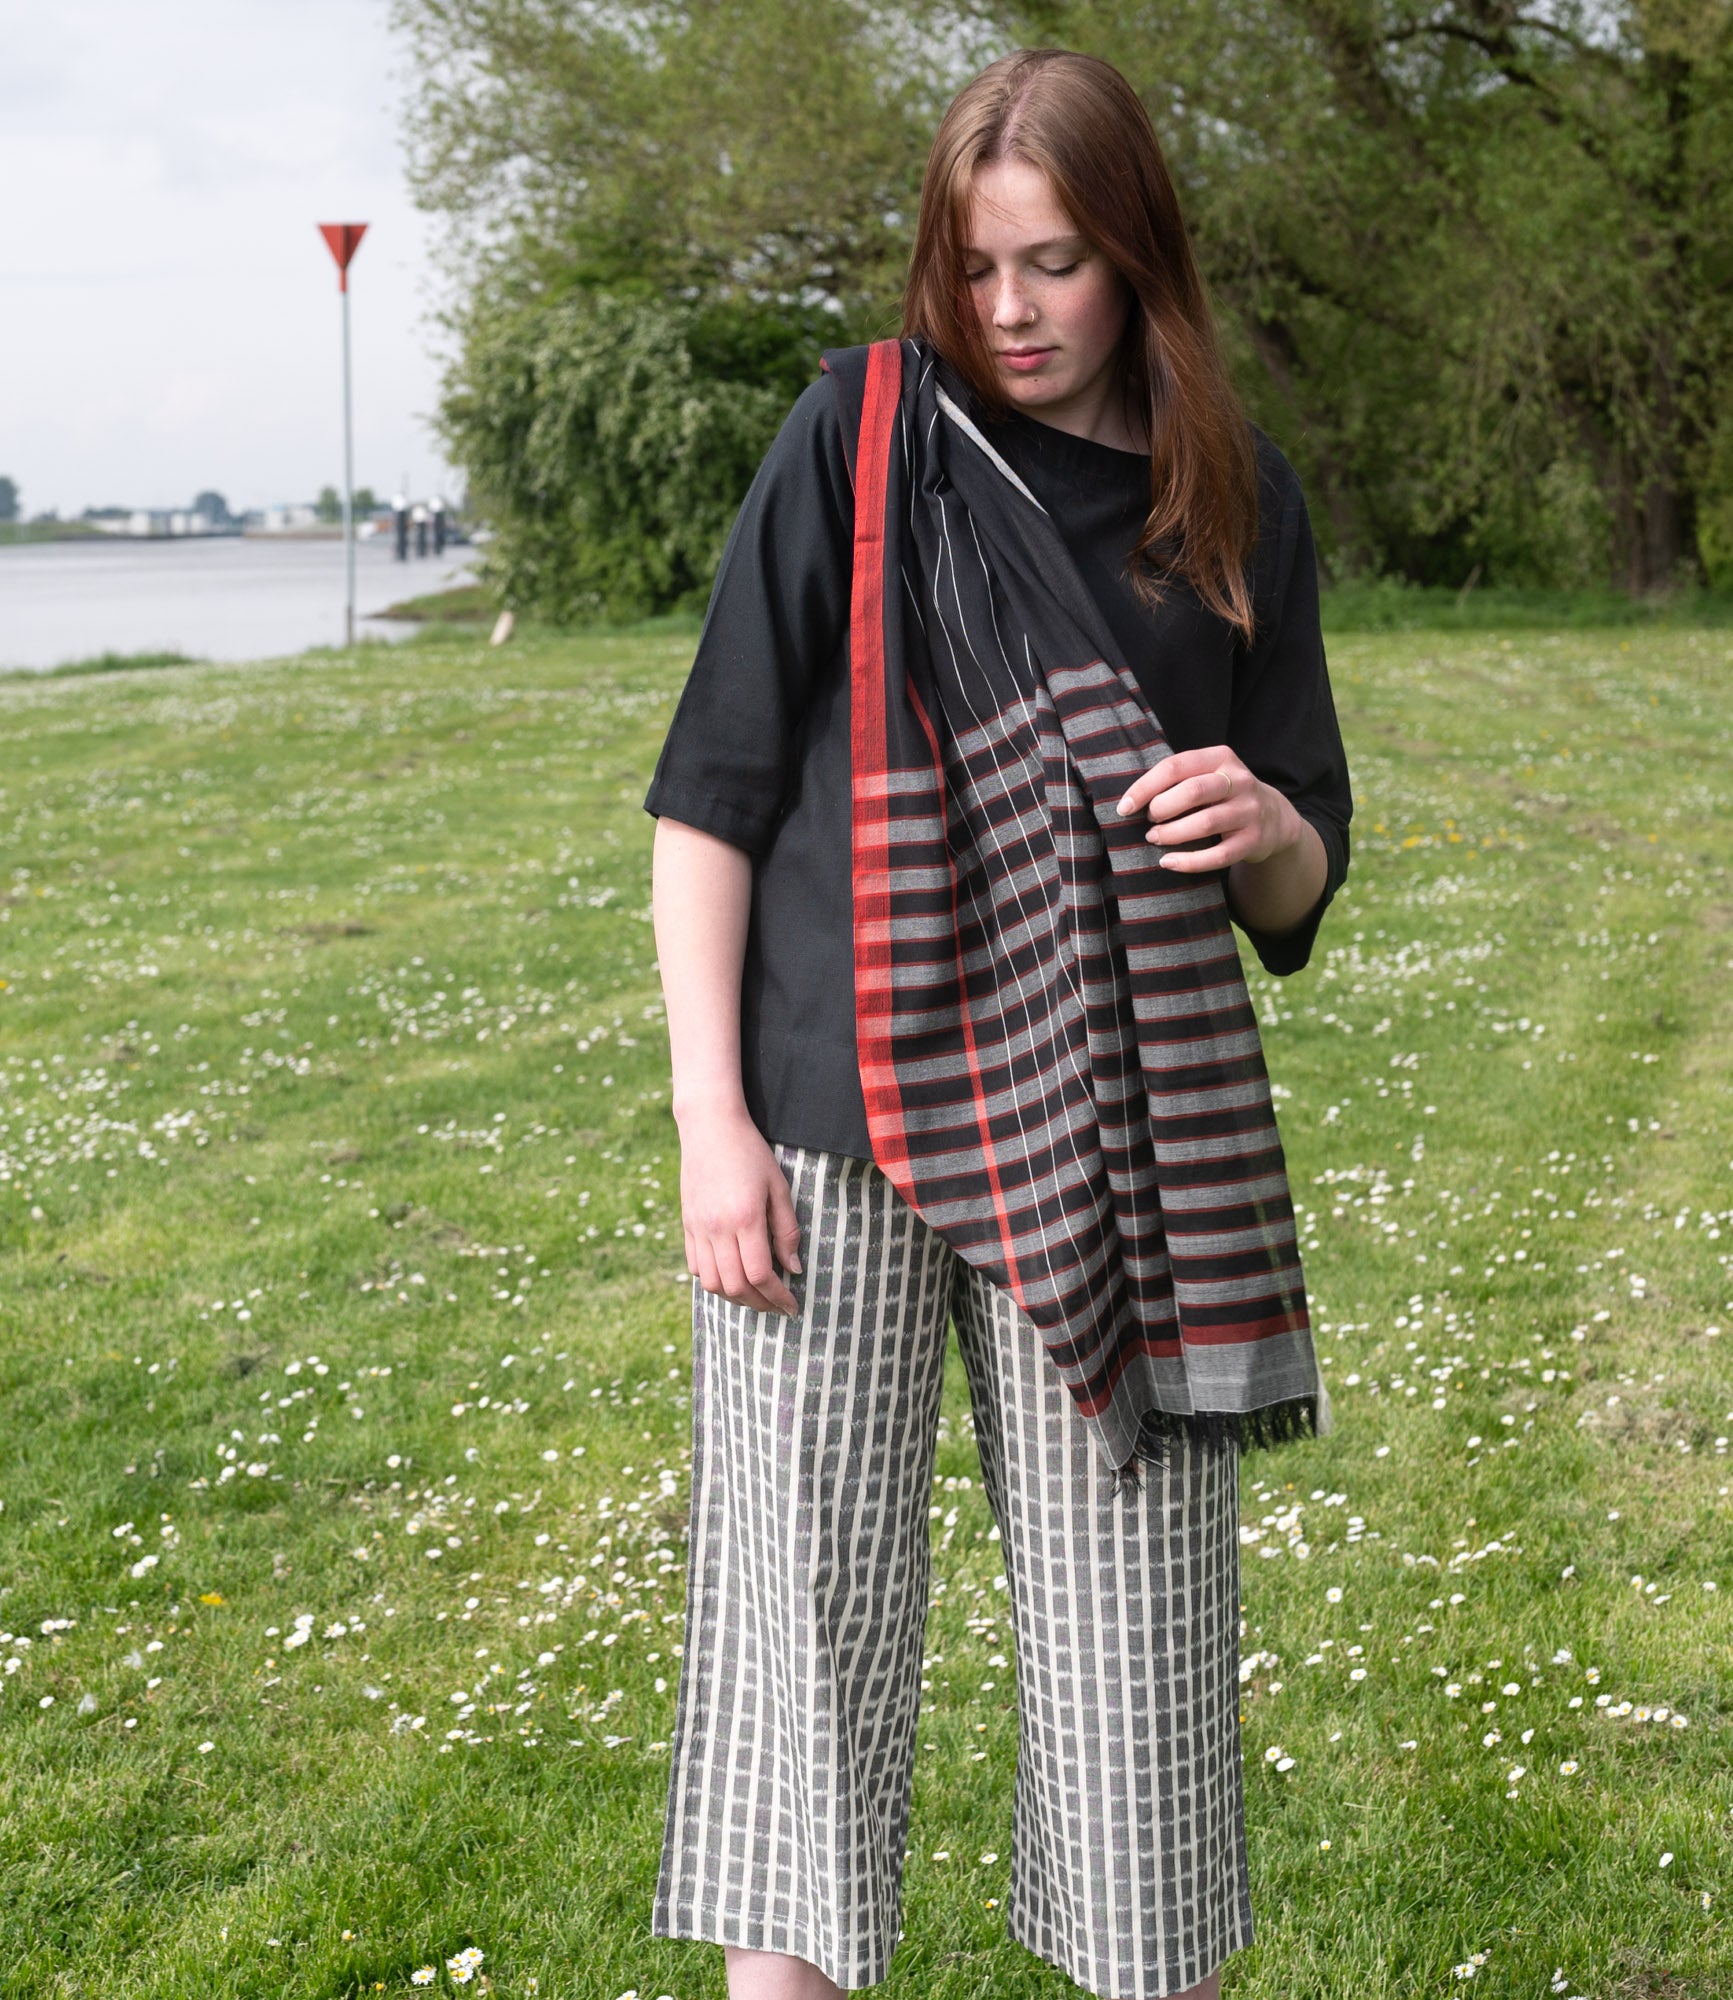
(1283,725)
(777,617)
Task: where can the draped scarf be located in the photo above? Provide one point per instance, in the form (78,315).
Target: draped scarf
(1059,1058)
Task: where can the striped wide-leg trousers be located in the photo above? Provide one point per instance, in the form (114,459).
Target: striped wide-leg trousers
(800,1685)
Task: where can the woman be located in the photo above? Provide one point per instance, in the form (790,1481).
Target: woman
(1010,695)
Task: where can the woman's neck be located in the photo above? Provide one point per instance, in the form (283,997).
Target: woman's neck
(1102,413)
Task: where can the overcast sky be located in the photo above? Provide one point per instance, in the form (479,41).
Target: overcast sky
(168,311)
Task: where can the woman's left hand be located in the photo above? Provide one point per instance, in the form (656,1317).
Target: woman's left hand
(1195,794)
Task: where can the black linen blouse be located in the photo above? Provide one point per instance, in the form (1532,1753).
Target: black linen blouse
(758,751)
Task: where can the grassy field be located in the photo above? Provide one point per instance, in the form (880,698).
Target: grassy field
(344,1373)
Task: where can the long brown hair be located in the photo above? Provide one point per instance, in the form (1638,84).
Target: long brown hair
(1078,121)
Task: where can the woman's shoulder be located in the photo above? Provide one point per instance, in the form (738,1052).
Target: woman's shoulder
(809,443)
(812,427)
(1283,561)
(1283,526)
(806,467)
(1279,489)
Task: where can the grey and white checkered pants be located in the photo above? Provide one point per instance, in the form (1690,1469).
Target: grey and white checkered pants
(800,1684)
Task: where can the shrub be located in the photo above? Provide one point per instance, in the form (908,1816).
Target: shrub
(609,439)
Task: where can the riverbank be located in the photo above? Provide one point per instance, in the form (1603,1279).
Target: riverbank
(33,534)
(465,604)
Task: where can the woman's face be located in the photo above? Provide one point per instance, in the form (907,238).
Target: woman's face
(1052,309)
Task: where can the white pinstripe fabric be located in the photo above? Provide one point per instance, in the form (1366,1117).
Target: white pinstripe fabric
(799,1698)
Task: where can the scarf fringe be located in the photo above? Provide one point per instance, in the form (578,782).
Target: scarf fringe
(1246,1430)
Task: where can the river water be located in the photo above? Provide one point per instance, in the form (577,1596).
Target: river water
(217,598)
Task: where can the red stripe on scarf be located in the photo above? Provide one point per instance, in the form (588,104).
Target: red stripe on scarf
(873,996)
(875,999)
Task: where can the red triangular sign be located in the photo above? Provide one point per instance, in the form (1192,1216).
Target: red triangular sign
(343,239)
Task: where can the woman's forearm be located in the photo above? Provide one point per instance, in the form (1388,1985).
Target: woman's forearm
(1278,893)
(701,899)
(735,1208)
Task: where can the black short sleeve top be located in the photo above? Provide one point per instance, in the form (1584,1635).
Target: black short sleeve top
(758,750)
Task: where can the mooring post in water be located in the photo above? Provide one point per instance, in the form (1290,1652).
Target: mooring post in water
(343,239)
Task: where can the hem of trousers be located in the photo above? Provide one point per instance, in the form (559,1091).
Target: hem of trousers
(1081,1972)
(752,1934)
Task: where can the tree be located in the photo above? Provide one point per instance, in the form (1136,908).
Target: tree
(8,499)
(764,146)
(214,508)
(607,184)
(610,439)
(1479,253)
(1475,257)
(365,502)
(329,505)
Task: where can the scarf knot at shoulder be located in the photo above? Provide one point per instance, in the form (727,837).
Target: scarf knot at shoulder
(1060,1061)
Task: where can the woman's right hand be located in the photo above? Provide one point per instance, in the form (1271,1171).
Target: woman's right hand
(737,1212)
(734,1202)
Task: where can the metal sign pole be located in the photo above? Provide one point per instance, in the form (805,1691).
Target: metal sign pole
(348,486)
(343,239)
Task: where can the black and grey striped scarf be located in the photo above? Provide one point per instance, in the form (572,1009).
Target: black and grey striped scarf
(1060,1062)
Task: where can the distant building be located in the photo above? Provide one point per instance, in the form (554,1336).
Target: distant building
(283,520)
(153,523)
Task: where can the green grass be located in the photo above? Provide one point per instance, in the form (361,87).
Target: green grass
(463,604)
(29,532)
(340,1283)
(1384,604)
(1387,604)
(99,663)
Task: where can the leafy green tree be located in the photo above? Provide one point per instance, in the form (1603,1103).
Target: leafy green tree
(771,147)
(8,499)
(610,439)
(329,505)
(366,502)
(647,268)
(1475,256)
